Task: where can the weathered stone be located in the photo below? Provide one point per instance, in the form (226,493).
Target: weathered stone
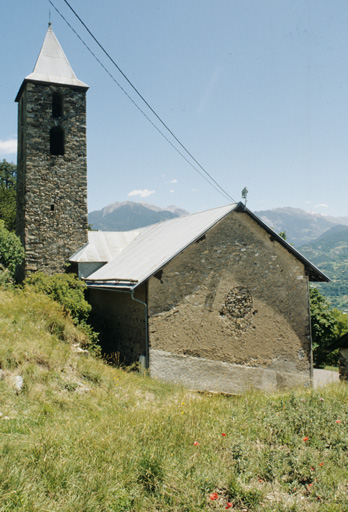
(51,189)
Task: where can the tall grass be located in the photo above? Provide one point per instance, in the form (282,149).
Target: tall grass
(83,436)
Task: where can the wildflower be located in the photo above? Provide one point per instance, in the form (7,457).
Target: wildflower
(310,485)
(196,443)
(305,438)
(260,480)
(321,464)
(312,469)
(321,399)
(223,434)
(213,496)
(228,505)
(338,421)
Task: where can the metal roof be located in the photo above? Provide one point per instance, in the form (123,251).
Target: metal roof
(103,246)
(52,65)
(156,245)
(134,256)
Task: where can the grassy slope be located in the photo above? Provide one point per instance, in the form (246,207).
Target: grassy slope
(83,436)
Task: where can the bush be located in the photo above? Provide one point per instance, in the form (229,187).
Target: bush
(66,289)
(6,280)
(327,325)
(11,250)
(69,291)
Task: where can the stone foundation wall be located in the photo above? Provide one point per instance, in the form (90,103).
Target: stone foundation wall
(202,374)
(52,189)
(235,297)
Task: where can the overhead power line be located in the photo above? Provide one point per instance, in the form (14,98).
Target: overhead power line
(207,176)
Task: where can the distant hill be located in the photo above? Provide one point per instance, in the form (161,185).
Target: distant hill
(131,215)
(323,240)
(330,253)
(301,227)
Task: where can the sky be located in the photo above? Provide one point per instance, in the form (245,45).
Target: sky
(256,90)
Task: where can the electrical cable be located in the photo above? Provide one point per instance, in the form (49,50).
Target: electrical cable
(207,175)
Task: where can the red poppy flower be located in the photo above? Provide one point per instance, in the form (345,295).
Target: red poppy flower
(310,485)
(223,434)
(321,464)
(338,421)
(260,480)
(213,496)
(228,505)
(305,438)
(196,443)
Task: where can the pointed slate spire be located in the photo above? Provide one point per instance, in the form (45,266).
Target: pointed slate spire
(52,65)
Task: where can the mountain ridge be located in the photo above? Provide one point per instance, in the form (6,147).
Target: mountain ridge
(128,215)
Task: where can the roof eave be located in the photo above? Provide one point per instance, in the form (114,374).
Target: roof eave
(81,86)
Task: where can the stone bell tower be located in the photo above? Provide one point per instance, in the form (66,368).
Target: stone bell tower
(52,217)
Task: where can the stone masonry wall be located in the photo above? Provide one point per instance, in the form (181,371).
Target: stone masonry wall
(233,298)
(121,321)
(52,189)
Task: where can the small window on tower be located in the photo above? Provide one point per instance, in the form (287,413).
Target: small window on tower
(57,105)
(57,141)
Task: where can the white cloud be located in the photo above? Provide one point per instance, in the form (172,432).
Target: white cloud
(321,205)
(173,181)
(141,193)
(172,191)
(8,147)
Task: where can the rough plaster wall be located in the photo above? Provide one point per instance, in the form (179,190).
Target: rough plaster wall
(49,182)
(121,321)
(189,305)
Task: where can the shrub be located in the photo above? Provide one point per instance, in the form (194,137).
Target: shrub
(11,250)
(327,325)
(69,291)
(66,289)
(6,280)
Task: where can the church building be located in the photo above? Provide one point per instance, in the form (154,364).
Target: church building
(216,300)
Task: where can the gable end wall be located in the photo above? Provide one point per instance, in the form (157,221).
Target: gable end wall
(231,312)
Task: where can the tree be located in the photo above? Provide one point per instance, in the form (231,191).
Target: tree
(11,250)
(8,174)
(8,180)
(327,325)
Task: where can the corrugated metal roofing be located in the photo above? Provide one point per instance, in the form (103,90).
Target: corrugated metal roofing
(156,245)
(52,65)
